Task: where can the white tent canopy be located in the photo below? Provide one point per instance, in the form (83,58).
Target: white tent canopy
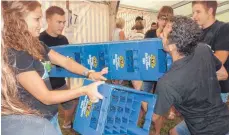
(180,7)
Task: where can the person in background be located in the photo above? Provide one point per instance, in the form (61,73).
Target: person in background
(137,19)
(215,34)
(133,30)
(118,35)
(164,14)
(52,36)
(31,61)
(137,35)
(151,33)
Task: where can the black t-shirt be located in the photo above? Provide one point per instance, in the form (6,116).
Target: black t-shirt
(22,61)
(150,34)
(217,36)
(56,82)
(192,87)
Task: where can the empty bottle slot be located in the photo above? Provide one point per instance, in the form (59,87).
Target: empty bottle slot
(123,99)
(110,120)
(120,109)
(124,120)
(112,108)
(127,110)
(77,57)
(101,59)
(93,122)
(115,98)
(129,61)
(117,120)
(162,61)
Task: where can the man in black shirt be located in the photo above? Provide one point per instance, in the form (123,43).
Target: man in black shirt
(191,85)
(215,34)
(152,32)
(55,17)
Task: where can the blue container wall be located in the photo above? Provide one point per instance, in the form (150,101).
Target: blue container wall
(126,60)
(117,113)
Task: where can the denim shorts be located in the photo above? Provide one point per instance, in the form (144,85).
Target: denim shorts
(55,123)
(182,129)
(224,97)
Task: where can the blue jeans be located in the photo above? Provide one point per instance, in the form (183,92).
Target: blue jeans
(148,86)
(224,97)
(55,123)
(182,129)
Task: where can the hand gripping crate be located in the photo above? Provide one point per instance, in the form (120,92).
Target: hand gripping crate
(116,114)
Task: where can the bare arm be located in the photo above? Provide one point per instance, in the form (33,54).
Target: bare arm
(73,66)
(122,35)
(38,89)
(158,123)
(222,74)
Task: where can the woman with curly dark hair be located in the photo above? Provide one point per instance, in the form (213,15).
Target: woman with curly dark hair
(191,85)
(31,61)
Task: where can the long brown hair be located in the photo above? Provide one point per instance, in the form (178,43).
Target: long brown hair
(10,102)
(16,33)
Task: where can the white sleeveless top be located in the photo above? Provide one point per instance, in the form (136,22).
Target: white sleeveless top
(136,36)
(115,36)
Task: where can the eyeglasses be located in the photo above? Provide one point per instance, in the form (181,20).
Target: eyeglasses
(164,18)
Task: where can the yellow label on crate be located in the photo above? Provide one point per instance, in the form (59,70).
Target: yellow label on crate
(152,61)
(149,60)
(94,61)
(88,110)
(86,107)
(121,61)
(118,61)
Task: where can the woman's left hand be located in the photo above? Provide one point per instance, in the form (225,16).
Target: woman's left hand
(98,76)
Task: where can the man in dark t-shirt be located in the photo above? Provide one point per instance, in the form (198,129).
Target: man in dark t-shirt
(215,34)
(52,36)
(151,33)
(191,85)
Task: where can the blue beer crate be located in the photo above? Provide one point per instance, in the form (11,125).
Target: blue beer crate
(137,60)
(126,60)
(72,52)
(116,114)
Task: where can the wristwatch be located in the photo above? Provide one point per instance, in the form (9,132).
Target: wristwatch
(87,72)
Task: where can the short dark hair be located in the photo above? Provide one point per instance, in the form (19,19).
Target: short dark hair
(185,34)
(153,23)
(54,10)
(139,25)
(207,5)
(138,18)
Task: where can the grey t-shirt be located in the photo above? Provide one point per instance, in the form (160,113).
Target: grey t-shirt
(192,87)
(22,61)
(26,125)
